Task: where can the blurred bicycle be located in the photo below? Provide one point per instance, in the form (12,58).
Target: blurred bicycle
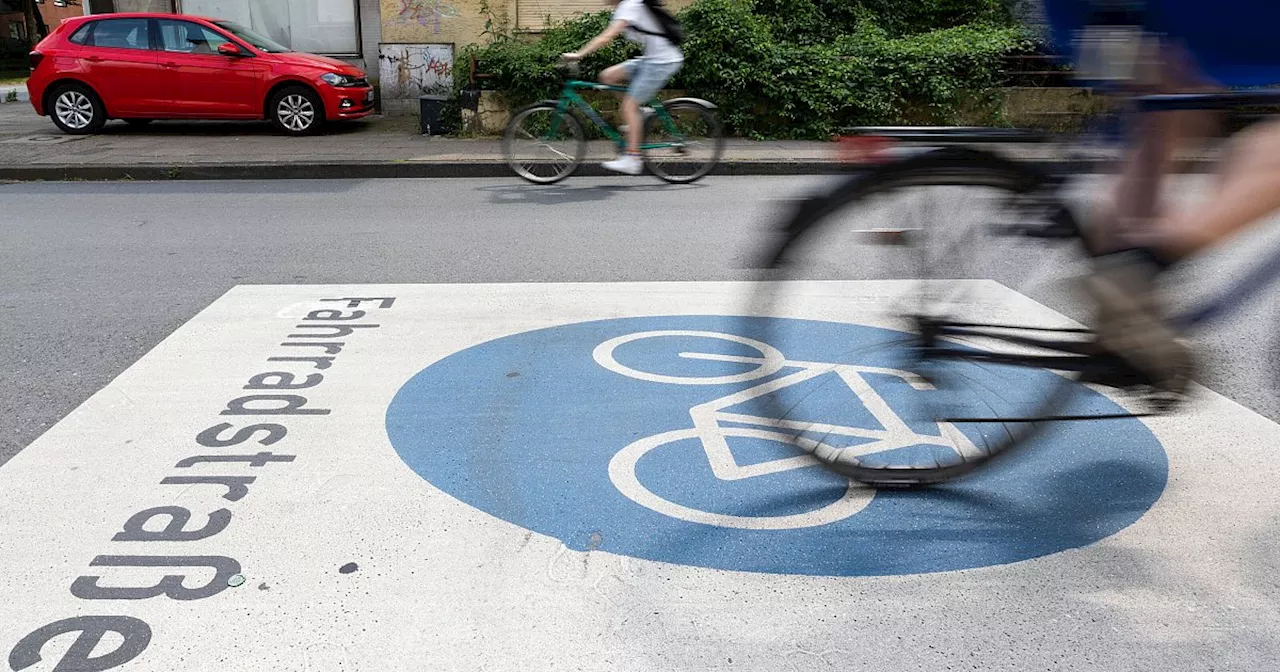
(546,142)
(961,213)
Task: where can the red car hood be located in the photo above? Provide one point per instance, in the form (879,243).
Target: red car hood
(313,60)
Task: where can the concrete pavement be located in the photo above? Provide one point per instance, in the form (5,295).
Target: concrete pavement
(18,92)
(31,148)
(482,487)
(97,274)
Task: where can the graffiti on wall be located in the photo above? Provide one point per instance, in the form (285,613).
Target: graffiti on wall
(412,70)
(426,13)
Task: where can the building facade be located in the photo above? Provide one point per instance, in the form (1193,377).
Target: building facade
(408,47)
(14,37)
(420,38)
(345,29)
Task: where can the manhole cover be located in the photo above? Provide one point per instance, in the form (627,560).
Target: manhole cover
(42,139)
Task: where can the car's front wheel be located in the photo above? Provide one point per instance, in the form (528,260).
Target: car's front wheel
(76,109)
(296,110)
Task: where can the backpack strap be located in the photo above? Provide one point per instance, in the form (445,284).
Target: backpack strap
(662,32)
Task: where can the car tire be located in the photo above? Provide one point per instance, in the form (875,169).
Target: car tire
(138,122)
(296,110)
(76,109)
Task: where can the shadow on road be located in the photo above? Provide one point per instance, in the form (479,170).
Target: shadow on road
(220,128)
(557,194)
(181,187)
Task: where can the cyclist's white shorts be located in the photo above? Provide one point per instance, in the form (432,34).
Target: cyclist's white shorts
(647,77)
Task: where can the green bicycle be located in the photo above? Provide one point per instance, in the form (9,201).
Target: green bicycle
(545,142)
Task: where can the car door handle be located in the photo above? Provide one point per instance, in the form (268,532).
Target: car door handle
(170,64)
(93,59)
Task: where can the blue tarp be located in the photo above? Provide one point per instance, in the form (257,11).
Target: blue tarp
(1235,42)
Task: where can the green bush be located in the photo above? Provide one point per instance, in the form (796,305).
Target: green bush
(524,69)
(798,68)
(909,17)
(930,77)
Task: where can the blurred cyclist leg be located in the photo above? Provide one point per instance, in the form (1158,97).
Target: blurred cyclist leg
(1247,190)
(1136,242)
(1133,243)
(1130,322)
(632,128)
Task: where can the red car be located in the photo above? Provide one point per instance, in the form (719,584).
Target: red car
(140,67)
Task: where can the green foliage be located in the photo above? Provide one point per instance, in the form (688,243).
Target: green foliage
(524,68)
(798,68)
(929,77)
(909,17)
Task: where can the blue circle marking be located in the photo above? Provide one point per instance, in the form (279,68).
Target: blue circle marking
(637,436)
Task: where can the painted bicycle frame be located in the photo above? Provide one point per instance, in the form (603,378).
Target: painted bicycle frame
(569,98)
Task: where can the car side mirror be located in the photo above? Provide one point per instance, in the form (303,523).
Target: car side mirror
(228,49)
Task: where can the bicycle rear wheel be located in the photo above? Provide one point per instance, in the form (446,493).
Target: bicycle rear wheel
(542,144)
(696,142)
(940,225)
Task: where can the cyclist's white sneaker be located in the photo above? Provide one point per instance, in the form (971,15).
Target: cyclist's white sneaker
(629,164)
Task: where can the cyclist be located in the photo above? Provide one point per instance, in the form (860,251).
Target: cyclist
(1228,44)
(642,23)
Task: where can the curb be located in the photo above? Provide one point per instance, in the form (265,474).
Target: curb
(337,171)
(381,170)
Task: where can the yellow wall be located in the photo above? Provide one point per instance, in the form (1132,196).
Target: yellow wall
(460,22)
(437,21)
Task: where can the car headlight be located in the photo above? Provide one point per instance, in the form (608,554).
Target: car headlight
(334,79)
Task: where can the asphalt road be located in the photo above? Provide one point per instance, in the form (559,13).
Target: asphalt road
(93,275)
(561,532)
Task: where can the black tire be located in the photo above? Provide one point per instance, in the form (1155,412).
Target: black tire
(703,145)
(554,150)
(296,110)
(138,123)
(76,109)
(974,406)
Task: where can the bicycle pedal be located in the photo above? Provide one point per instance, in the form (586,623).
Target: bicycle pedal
(1115,372)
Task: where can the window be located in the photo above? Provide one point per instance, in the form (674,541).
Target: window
(251,37)
(81,36)
(185,37)
(121,34)
(317,26)
(18,30)
(532,14)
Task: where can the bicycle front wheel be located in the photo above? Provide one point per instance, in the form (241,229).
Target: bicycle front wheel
(542,144)
(948,395)
(691,142)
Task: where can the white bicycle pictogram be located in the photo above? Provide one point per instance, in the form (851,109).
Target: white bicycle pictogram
(708,429)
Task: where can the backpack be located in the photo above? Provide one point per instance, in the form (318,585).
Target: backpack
(670,26)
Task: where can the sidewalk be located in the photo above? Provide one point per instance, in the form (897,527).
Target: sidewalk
(32,148)
(19,91)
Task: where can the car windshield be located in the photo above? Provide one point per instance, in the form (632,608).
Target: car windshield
(253,38)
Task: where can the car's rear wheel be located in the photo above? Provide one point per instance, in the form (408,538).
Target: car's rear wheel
(296,110)
(76,109)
